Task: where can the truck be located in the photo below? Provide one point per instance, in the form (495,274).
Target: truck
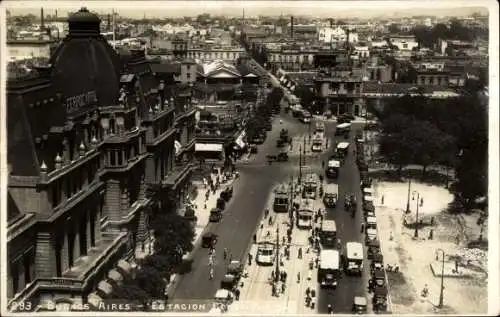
(343,148)
(353,258)
(329,268)
(343,129)
(328,234)
(311,184)
(305,214)
(305,116)
(331,195)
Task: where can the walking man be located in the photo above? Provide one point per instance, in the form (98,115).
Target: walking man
(249,259)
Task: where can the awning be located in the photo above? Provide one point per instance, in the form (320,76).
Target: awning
(105,287)
(239,142)
(203,147)
(94,299)
(115,276)
(124,266)
(177,146)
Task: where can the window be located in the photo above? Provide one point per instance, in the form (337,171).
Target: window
(112,157)
(119,153)
(56,194)
(14,272)
(188,76)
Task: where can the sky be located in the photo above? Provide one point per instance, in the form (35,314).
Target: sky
(321,9)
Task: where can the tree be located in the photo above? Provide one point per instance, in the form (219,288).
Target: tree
(151,281)
(174,236)
(129,290)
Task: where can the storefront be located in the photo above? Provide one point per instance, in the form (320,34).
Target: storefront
(209,151)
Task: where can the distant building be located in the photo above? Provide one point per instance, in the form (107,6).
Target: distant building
(404,42)
(28,49)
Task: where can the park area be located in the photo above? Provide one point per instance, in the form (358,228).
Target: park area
(456,236)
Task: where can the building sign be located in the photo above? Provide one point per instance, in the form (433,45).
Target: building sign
(79,101)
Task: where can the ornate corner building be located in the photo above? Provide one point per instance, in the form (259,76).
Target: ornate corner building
(87,135)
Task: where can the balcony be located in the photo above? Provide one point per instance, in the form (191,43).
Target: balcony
(129,164)
(124,137)
(161,137)
(87,268)
(156,114)
(177,174)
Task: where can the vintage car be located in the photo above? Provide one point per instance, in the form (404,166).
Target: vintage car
(209,240)
(359,305)
(215,215)
(373,249)
(235,268)
(229,282)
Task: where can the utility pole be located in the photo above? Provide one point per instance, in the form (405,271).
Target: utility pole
(408,200)
(276,276)
(290,204)
(416,221)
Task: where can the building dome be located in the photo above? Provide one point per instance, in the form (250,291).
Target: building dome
(84,22)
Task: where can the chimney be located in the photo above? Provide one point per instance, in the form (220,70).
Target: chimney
(291,26)
(42,22)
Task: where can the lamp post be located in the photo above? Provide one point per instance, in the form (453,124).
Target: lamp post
(408,200)
(300,164)
(441,293)
(416,221)
(290,203)
(276,276)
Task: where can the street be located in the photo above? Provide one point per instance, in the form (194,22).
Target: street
(239,222)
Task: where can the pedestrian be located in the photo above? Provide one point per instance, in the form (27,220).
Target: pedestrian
(274,290)
(230,256)
(211,273)
(298,277)
(456,266)
(225,253)
(300,253)
(283,288)
(308,291)
(421,201)
(382,200)
(270,221)
(284,276)
(313,293)
(254,238)
(457,239)
(313,302)
(431,234)
(330,309)
(362,227)
(266,213)
(391,237)
(432,221)
(283,240)
(237,294)
(308,301)
(249,259)
(273,276)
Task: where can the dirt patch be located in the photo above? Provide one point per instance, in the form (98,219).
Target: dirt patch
(399,289)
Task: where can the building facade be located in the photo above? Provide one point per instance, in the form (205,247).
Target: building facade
(86,139)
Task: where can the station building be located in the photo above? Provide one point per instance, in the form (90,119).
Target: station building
(87,135)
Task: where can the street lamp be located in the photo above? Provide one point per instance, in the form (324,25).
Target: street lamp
(276,276)
(408,200)
(416,222)
(441,293)
(300,164)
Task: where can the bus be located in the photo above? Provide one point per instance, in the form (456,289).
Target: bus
(328,234)
(354,258)
(343,129)
(266,253)
(332,170)
(329,268)
(311,183)
(281,199)
(343,148)
(305,214)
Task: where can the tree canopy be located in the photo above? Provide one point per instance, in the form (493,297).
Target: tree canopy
(451,132)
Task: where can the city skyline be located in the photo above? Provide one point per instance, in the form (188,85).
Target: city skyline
(318,9)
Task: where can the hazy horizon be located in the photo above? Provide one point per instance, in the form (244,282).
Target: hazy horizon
(318,9)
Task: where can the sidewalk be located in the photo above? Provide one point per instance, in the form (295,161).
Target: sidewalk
(256,292)
(202,215)
(419,259)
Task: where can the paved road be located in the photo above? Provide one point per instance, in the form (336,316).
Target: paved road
(240,220)
(349,229)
